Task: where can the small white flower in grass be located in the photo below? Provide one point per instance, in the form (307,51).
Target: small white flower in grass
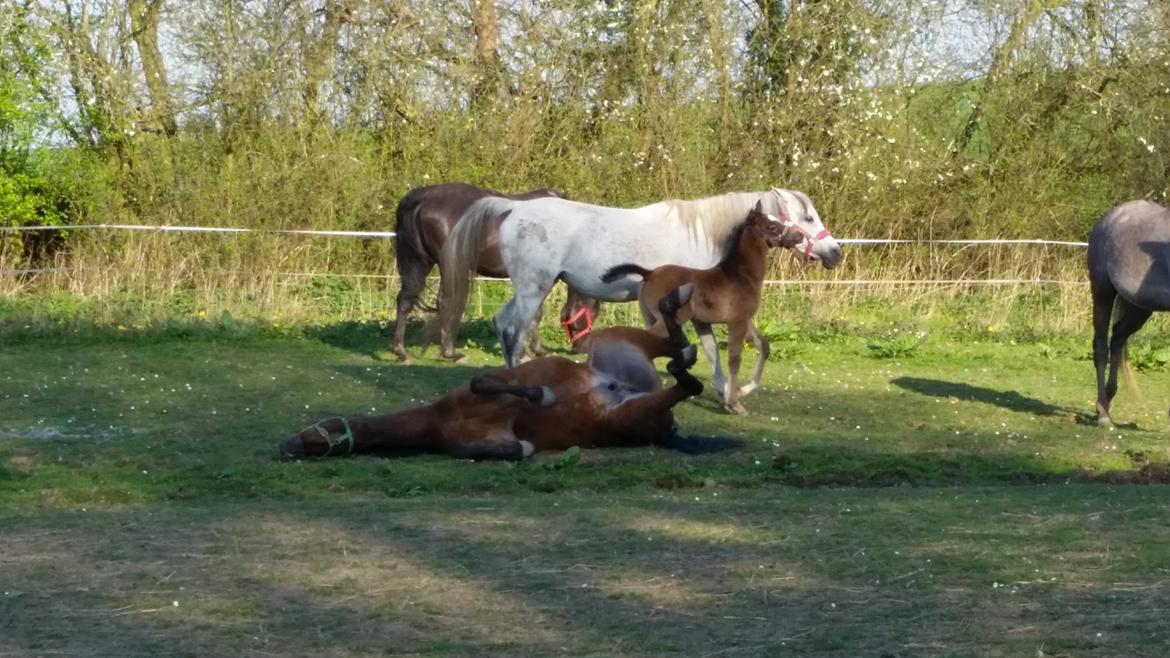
(175,604)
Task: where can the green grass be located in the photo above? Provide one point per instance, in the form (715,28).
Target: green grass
(948,499)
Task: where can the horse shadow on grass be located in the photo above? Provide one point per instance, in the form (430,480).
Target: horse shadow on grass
(373,339)
(1006,399)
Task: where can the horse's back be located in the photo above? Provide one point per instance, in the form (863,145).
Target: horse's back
(1129,251)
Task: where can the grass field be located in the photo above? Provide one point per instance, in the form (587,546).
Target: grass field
(895,498)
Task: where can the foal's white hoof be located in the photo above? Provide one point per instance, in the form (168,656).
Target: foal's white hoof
(526,448)
(748,388)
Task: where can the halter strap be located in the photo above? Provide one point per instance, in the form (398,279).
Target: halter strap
(584,310)
(346,438)
(810,239)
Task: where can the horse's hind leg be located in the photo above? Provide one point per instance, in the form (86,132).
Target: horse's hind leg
(1104,297)
(669,307)
(512,321)
(447,326)
(488,385)
(736,334)
(413,277)
(763,350)
(642,420)
(534,346)
(1130,318)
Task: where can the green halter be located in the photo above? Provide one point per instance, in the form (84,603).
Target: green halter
(346,438)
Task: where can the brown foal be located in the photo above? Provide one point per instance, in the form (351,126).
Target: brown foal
(728,293)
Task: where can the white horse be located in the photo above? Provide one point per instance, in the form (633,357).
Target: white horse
(543,240)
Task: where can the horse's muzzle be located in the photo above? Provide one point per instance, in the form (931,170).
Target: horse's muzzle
(832,257)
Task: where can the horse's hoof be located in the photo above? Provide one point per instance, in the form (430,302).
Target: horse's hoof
(689,383)
(737,409)
(1104,421)
(455,357)
(747,388)
(401,355)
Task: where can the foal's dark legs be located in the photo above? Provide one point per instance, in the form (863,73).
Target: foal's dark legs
(1130,318)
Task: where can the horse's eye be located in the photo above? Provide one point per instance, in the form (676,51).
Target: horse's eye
(612,386)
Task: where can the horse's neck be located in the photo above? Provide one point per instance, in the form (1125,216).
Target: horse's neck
(407,429)
(748,259)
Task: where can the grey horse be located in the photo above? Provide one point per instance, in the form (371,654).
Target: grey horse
(1129,269)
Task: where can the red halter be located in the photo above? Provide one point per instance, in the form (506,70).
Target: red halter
(809,239)
(584,310)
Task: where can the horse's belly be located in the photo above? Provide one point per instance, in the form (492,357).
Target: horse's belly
(584,273)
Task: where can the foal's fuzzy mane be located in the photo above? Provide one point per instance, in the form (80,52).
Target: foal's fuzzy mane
(731,246)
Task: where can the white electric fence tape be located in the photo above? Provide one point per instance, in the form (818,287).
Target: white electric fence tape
(391,234)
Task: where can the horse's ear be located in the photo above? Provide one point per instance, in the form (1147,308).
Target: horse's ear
(782,203)
(759,206)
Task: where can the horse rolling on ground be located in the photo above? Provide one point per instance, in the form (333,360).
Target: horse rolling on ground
(545,240)
(424,219)
(614,399)
(1129,270)
(728,293)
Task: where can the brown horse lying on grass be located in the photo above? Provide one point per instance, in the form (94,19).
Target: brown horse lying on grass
(616,398)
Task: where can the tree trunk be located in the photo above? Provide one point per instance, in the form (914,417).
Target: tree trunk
(999,62)
(318,59)
(639,39)
(487,59)
(144,19)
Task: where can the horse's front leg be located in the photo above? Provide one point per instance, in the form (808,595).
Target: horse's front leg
(736,335)
(711,349)
(489,385)
(506,448)
(763,350)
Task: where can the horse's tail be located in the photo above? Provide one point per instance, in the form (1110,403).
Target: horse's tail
(459,257)
(410,255)
(615,273)
(696,445)
(1131,381)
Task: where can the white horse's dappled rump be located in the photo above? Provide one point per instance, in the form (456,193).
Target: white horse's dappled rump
(1129,269)
(543,240)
